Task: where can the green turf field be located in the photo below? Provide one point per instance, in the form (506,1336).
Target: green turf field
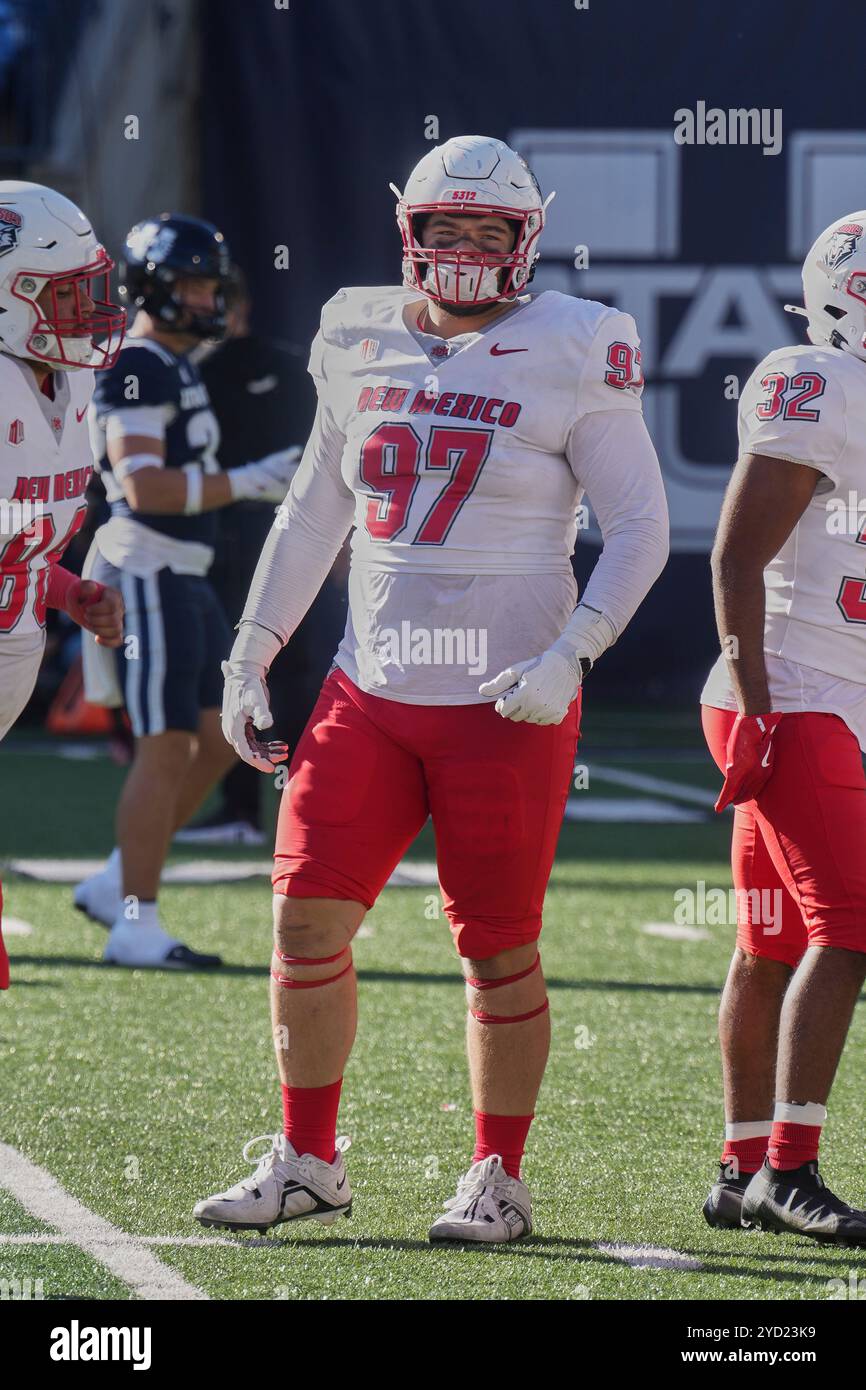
(137,1090)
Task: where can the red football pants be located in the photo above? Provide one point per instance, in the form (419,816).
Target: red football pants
(803,837)
(366,774)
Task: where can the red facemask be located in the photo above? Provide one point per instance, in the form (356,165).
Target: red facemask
(468,277)
(67,334)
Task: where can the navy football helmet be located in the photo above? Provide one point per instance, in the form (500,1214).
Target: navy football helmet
(162,250)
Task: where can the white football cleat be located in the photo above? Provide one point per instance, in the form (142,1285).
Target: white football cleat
(145,945)
(489,1206)
(286,1186)
(100,896)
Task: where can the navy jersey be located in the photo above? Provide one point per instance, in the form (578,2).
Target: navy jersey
(167,389)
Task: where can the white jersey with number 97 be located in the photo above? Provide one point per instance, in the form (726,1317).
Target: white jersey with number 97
(459,462)
(463,464)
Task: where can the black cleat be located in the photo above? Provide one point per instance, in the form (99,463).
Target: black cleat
(184,958)
(797,1202)
(724,1206)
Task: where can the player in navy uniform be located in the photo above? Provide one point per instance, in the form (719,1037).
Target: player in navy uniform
(155,437)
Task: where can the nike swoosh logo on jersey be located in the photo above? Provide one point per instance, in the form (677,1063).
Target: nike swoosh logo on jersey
(80,416)
(497,351)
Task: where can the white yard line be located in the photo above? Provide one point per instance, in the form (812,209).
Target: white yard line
(621,809)
(239,1242)
(648,1256)
(674,932)
(644,782)
(15,926)
(127,1257)
(410,873)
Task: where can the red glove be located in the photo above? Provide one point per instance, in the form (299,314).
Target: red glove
(65,591)
(90,604)
(748,758)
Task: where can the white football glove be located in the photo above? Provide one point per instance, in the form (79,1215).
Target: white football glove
(537,691)
(266,480)
(246,708)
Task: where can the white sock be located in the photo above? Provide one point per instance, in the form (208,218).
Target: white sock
(148,915)
(749,1129)
(811,1113)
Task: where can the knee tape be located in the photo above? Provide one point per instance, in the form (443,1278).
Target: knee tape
(287,982)
(483,1017)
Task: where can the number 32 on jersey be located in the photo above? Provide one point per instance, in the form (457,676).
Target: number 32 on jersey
(787,396)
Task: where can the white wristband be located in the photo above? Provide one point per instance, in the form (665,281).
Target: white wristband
(194,488)
(255,646)
(587,633)
(130,463)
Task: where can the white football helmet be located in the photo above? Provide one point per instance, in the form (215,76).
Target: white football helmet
(47,244)
(834,287)
(471,174)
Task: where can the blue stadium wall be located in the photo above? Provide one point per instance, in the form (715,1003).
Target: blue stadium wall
(308,113)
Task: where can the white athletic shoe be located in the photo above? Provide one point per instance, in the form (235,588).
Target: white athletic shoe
(100,896)
(146,945)
(489,1206)
(285,1187)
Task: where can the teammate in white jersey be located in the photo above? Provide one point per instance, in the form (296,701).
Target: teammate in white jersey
(56,326)
(785,719)
(460,421)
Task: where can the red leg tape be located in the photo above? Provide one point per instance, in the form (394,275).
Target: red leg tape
(286,983)
(309,960)
(513,1018)
(506,979)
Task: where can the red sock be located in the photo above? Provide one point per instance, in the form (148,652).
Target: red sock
(744,1156)
(790,1145)
(504,1135)
(310,1118)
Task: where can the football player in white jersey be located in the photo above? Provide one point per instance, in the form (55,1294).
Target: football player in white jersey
(460,421)
(56,326)
(785,718)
